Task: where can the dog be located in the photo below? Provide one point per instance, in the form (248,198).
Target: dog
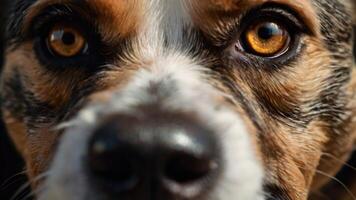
(182,99)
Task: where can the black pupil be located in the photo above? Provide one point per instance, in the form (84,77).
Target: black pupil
(68,38)
(268,30)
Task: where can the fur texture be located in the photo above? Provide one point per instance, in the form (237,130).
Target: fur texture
(286,125)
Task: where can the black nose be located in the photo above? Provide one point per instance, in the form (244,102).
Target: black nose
(162,157)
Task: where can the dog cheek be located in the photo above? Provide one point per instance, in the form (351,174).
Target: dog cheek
(17,131)
(41,148)
(36,149)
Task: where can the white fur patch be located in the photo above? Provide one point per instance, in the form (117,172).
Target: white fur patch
(182,87)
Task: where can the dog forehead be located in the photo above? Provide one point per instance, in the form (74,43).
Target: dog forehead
(119,4)
(124,10)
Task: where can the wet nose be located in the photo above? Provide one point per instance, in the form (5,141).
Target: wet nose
(166,157)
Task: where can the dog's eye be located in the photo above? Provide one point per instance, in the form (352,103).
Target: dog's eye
(66,41)
(271,33)
(267,39)
(76,45)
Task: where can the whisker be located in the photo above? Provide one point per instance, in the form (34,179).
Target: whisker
(34,192)
(333,178)
(8,182)
(27,185)
(21,190)
(64,125)
(339,182)
(339,160)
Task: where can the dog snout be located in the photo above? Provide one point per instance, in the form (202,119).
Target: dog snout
(166,156)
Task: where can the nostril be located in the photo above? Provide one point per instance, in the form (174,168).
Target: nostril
(112,163)
(163,159)
(186,169)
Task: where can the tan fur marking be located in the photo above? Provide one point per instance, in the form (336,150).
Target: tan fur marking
(118,19)
(211,15)
(115,19)
(17,131)
(40,151)
(46,86)
(35,149)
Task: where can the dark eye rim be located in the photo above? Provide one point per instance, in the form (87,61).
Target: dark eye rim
(84,49)
(275,13)
(242,43)
(88,60)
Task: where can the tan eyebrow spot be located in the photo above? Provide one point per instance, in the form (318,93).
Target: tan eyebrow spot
(114,18)
(118,18)
(227,5)
(208,14)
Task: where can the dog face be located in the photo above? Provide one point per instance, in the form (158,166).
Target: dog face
(209,99)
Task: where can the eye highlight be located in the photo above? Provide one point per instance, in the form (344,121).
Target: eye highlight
(66,38)
(66,41)
(266,39)
(270,35)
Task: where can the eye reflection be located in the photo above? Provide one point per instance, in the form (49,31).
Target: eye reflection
(66,41)
(267,39)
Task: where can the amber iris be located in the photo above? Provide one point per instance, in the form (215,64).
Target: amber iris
(267,39)
(66,41)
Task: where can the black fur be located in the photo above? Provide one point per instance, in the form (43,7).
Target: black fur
(11,162)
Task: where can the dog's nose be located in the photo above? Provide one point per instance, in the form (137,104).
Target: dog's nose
(166,157)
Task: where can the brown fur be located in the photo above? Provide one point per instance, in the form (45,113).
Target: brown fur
(214,15)
(293,152)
